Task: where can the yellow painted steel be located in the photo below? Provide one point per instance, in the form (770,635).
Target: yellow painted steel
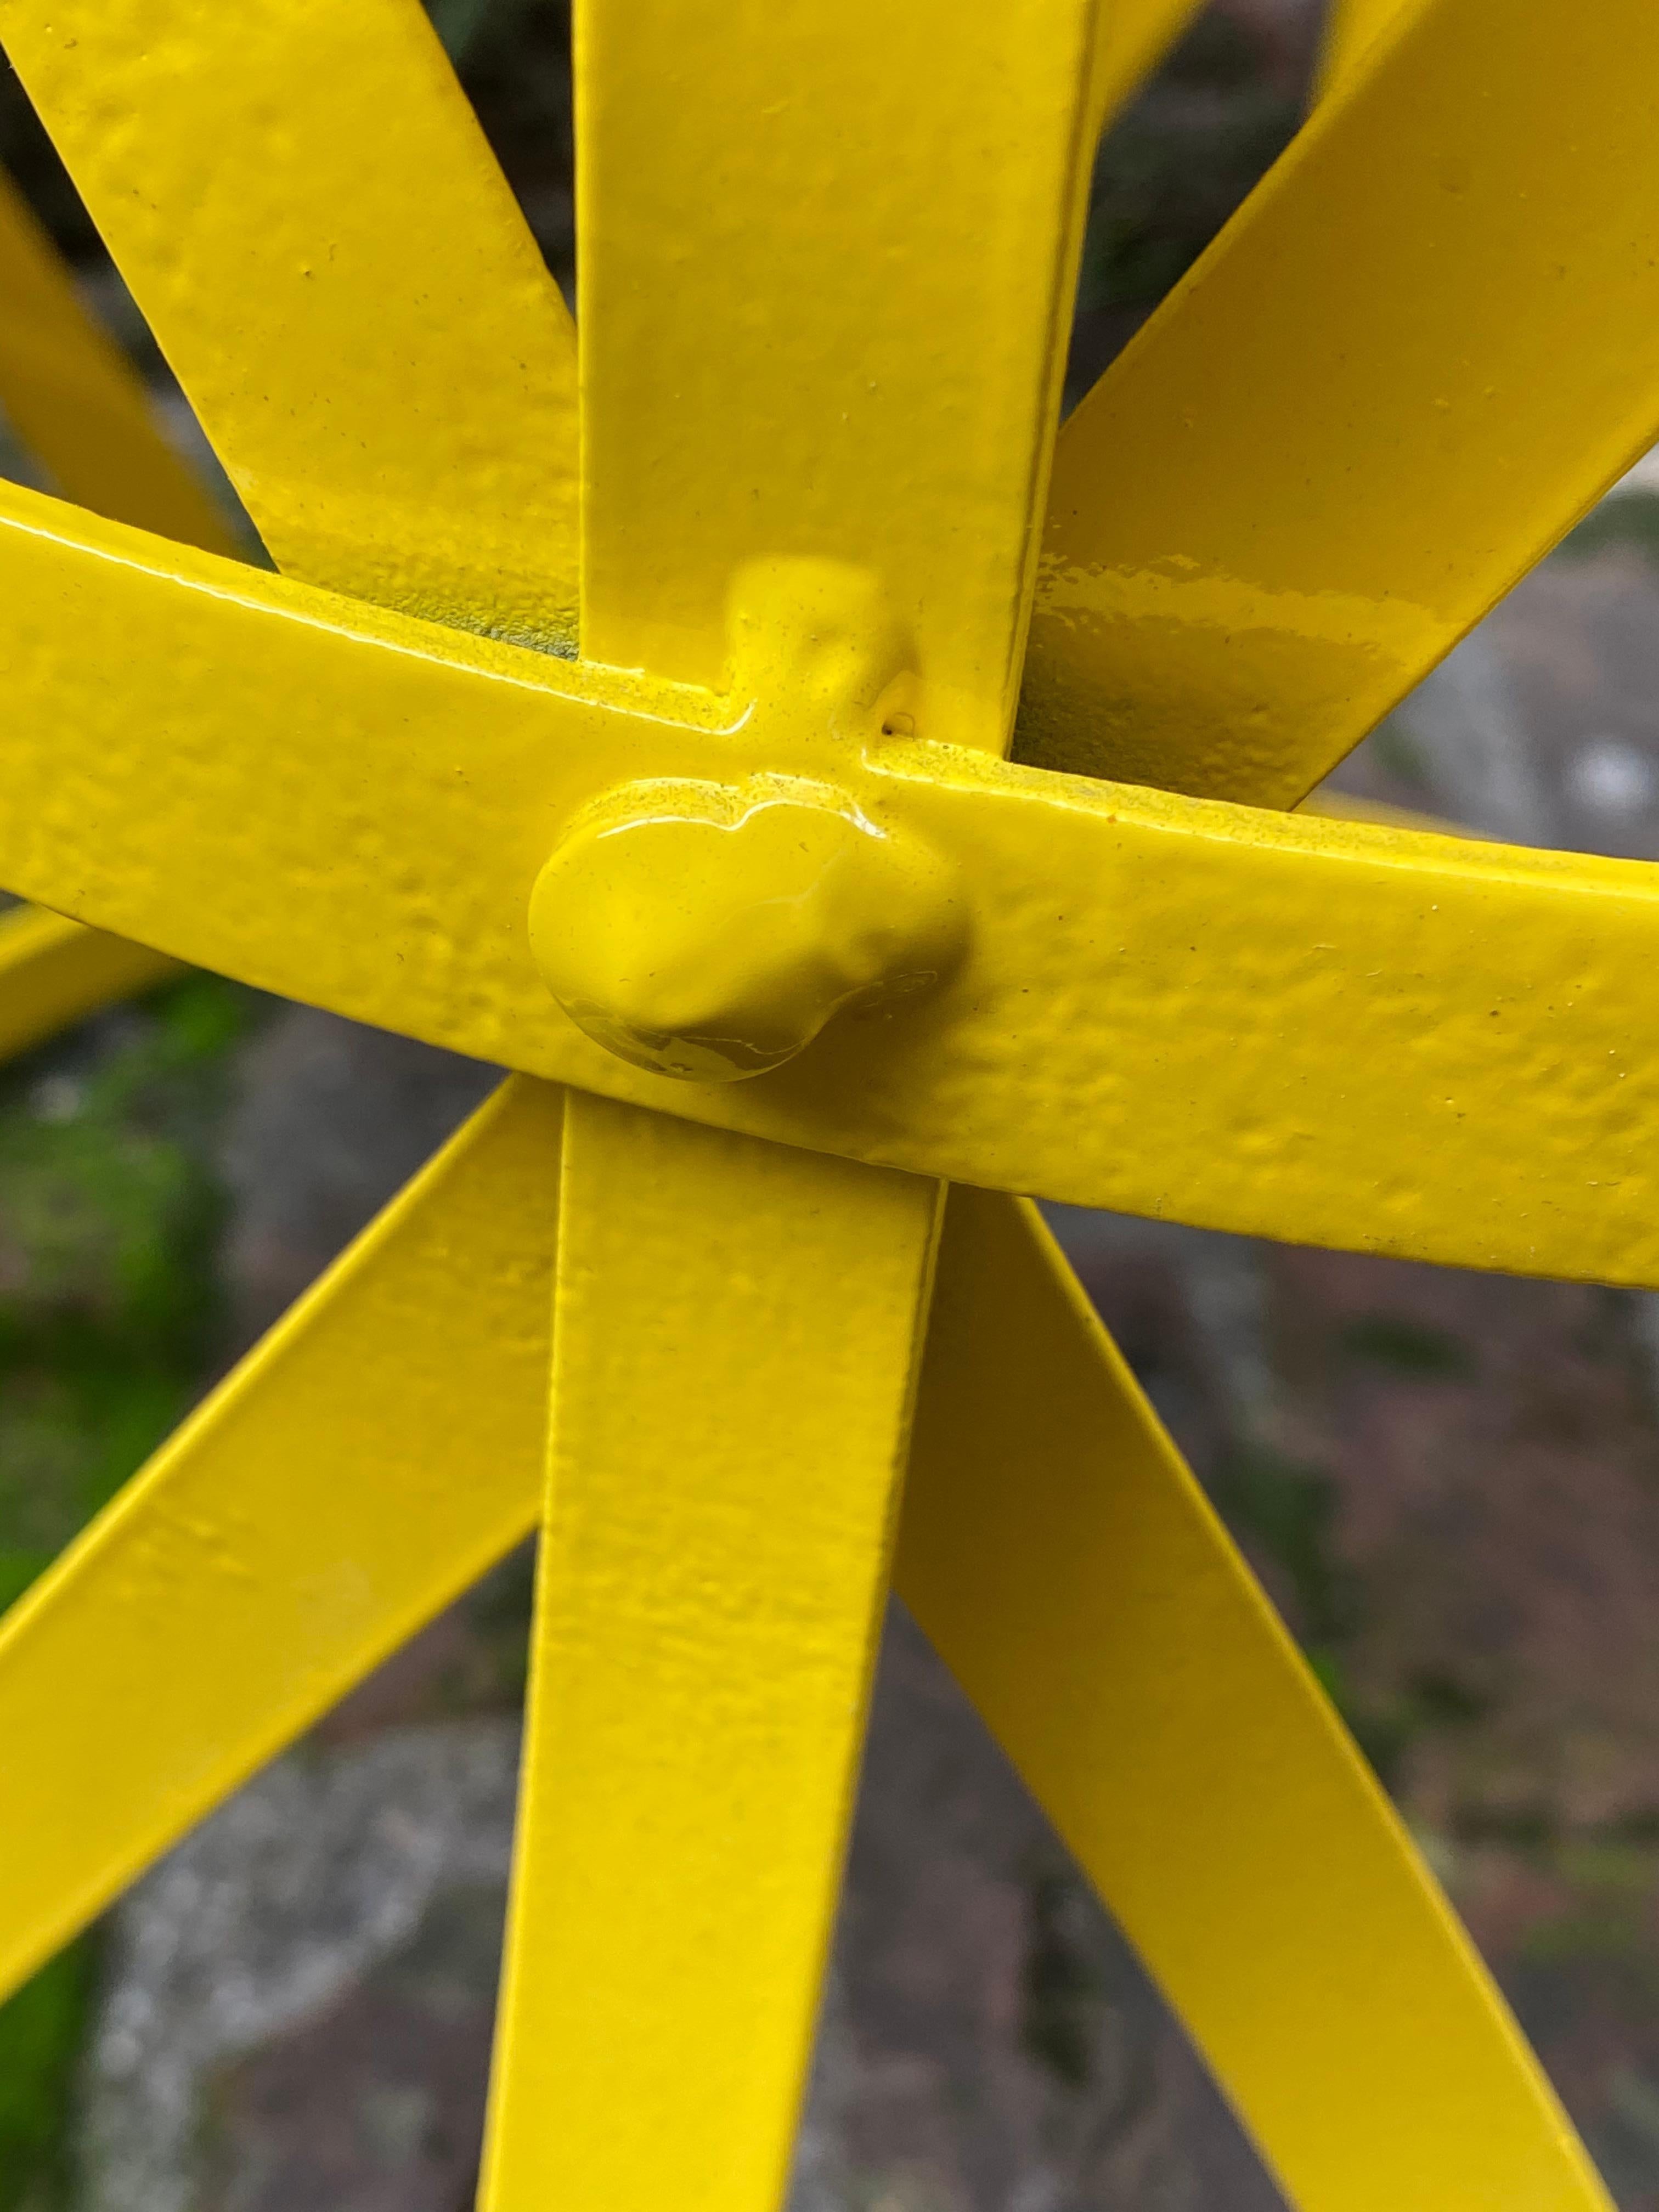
(72,398)
(1300,1008)
(844,431)
(371,1457)
(1341,1033)
(393,397)
(1070,1571)
(52,971)
(1131,40)
(1351,28)
(737,1324)
(1051,1544)
(734,1335)
(1428,341)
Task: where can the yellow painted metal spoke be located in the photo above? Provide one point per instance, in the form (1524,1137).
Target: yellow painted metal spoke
(1133,36)
(1425,344)
(1068,1569)
(374,1454)
(75,402)
(1351,28)
(1341,1033)
(392,397)
(737,1323)
(53,972)
(866,365)
(736,1327)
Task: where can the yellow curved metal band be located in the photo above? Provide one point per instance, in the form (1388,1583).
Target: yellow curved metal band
(1334,1033)
(1424,345)
(52,971)
(394,399)
(1069,1570)
(75,403)
(361,1467)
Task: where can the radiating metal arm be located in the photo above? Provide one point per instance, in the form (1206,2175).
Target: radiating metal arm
(76,402)
(371,1456)
(331,261)
(1069,1570)
(1428,341)
(53,972)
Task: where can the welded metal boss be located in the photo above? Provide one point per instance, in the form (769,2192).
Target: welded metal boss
(709,931)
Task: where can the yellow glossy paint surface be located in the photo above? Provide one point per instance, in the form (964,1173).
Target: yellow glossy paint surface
(733,1347)
(810,327)
(393,398)
(75,402)
(1341,1034)
(371,1457)
(1424,346)
(52,971)
(1036,1471)
(1070,1571)
(1182,1008)
(711,930)
(1351,28)
(737,1324)
(1130,41)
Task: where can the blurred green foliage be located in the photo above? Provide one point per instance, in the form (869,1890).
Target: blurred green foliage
(109,1207)
(40,2031)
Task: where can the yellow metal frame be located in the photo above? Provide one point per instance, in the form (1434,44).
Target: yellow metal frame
(779,945)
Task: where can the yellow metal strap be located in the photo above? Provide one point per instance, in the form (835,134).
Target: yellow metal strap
(76,403)
(735,1334)
(1424,346)
(863,205)
(71,397)
(1337,1031)
(333,264)
(52,971)
(737,1323)
(1132,40)
(373,1455)
(1351,28)
(1067,1567)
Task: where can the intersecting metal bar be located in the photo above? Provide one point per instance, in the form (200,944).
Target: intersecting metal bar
(76,403)
(1068,1569)
(366,1462)
(393,397)
(1340,1033)
(74,400)
(1132,40)
(1351,28)
(735,1330)
(1051,1543)
(737,1324)
(1424,345)
(878,360)
(52,971)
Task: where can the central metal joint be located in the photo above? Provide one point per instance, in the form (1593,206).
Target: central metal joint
(710,931)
